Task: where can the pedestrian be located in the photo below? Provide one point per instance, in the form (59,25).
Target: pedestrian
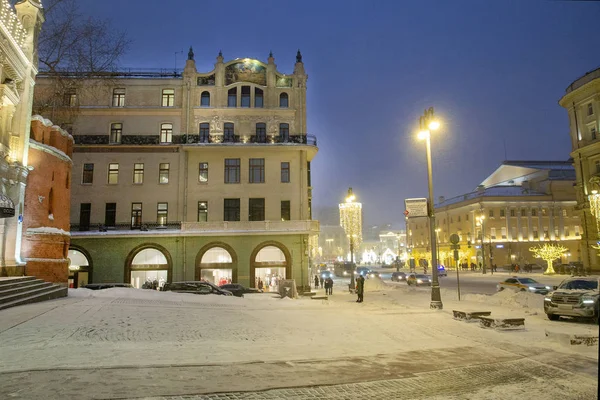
(360,288)
(260,284)
(322,282)
(329,287)
(316,281)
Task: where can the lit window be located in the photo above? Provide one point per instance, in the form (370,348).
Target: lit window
(203,172)
(163,173)
(88,174)
(161,214)
(113,174)
(166,133)
(577,232)
(503,233)
(168,97)
(70,99)
(285,172)
(257,170)
(205,99)
(285,210)
(564,213)
(138,174)
(118,99)
(116,131)
(283,100)
(203,211)
(493,233)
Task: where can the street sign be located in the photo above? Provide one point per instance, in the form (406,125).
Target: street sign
(454,238)
(416,207)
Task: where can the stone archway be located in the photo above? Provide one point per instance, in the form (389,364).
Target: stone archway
(266,263)
(148,261)
(80,266)
(216,261)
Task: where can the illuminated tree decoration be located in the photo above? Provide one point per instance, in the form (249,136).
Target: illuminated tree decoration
(548,252)
(351,219)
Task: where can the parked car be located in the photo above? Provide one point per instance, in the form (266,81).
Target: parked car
(195,287)
(99,286)
(442,271)
(523,284)
(238,290)
(372,274)
(326,274)
(574,297)
(364,271)
(418,280)
(398,276)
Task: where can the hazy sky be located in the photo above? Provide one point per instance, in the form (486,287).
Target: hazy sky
(493,70)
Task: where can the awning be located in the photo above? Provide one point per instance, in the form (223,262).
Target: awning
(7,207)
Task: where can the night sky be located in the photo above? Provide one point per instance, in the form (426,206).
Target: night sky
(493,71)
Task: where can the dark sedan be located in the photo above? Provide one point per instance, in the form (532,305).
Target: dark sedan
(195,287)
(399,277)
(238,290)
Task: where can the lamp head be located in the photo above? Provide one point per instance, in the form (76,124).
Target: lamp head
(434,125)
(423,135)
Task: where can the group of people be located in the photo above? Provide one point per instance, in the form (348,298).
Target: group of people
(326,283)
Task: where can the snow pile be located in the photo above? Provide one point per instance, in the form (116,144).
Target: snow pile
(375,284)
(503,298)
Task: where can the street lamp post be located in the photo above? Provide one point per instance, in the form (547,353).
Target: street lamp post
(437,243)
(427,123)
(351,221)
(480,222)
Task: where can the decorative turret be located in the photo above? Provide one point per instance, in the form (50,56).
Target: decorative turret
(31,15)
(190,64)
(191,54)
(298,56)
(220,58)
(271,59)
(299,69)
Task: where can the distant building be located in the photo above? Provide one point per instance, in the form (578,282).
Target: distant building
(524,203)
(582,102)
(191,175)
(19,29)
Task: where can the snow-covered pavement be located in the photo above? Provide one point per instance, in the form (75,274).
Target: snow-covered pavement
(128,343)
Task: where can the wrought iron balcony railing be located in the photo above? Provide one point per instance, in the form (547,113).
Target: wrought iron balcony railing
(146,226)
(192,139)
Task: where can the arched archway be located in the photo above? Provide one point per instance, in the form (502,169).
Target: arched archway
(217,262)
(148,262)
(80,267)
(273,262)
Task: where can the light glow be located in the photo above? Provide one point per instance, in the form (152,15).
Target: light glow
(423,135)
(434,125)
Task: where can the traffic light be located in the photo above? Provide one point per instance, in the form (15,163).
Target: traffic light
(468,243)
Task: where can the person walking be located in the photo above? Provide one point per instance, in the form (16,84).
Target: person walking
(316,281)
(329,286)
(360,288)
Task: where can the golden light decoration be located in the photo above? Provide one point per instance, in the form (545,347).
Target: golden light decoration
(351,219)
(548,252)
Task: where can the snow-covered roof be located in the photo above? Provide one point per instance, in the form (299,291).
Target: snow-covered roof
(494,191)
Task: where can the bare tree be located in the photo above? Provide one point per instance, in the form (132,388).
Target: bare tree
(73,49)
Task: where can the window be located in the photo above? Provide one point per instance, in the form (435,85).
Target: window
(546,233)
(524,233)
(84,216)
(245,96)
(138,174)
(228,132)
(590,109)
(136,215)
(512,212)
(113,174)
(162,210)
(564,213)
(231,210)
(163,173)
(88,174)
(257,170)
(502,213)
(493,233)
(70,99)
(285,172)
(513,232)
(166,133)
(535,233)
(491,213)
(203,172)
(283,100)
(556,234)
(205,99)
(232,97)
(567,233)
(533,212)
(118,99)
(503,233)
(110,214)
(593,133)
(168,97)
(523,212)
(256,209)
(232,170)
(577,232)
(284,133)
(544,212)
(261,132)
(116,129)
(285,210)
(203,211)
(258,98)
(204,132)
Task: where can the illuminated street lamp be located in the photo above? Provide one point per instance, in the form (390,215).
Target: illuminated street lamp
(351,221)
(480,222)
(427,123)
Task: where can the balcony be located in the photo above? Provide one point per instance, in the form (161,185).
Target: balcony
(77,229)
(195,139)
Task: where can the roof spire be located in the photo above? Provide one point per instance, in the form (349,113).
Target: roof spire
(298,56)
(191,54)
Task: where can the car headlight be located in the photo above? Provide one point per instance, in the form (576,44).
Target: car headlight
(588,300)
(345,272)
(547,298)
(532,289)
(549,287)
(419,281)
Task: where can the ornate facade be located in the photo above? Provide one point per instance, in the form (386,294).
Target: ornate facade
(19,29)
(191,175)
(582,101)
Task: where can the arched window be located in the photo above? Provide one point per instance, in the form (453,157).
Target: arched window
(228,132)
(283,100)
(261,132)
(284,133)
(204,132)
(232,97)
(258,98)
(205,99)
